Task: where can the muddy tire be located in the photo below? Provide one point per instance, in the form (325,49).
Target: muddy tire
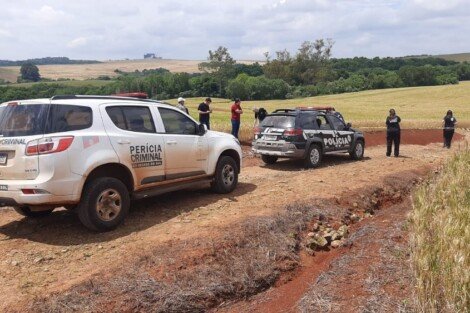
(26,211)
(104,205)
(226,175)
(358,151)
(269,159)
(314,157)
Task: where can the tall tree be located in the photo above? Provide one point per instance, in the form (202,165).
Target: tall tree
(221,65)
(29,71)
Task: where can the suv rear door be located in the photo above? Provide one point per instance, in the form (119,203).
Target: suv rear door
(132,132)
(20,124)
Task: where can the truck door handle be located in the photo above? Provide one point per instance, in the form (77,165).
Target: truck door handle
(123,142)
(171,142)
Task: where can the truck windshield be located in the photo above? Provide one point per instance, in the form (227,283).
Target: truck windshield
(22,120)
(279,121)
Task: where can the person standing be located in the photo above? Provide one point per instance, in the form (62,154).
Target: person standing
(181,105)
(448,123)
(236,110)
(393,133)
(205,112)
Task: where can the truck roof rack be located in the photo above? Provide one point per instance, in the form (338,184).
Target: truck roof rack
(85,97)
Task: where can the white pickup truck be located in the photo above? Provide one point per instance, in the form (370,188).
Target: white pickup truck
(94,154)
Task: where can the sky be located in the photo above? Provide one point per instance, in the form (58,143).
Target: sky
(174,29)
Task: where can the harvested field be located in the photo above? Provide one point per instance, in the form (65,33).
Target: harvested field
(106,68)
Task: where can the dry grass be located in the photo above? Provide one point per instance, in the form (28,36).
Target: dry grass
(248,259)
(90,71)
(459,57)
(440,239)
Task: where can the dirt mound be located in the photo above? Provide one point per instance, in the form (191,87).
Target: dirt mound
(420,137)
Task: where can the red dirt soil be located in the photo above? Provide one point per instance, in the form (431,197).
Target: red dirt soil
(420,137)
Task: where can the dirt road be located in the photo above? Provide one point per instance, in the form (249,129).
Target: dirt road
(52,254)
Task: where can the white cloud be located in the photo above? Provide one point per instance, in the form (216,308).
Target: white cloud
(5,33)
(439,5)
(48,14)
(188,29)
(77,42)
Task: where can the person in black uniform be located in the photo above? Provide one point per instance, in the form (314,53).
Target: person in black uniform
(448,123)
(393,133)
(204,112)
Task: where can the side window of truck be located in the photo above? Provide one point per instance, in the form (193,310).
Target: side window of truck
(65,118)
(177,123)
(132,118)
(337,123)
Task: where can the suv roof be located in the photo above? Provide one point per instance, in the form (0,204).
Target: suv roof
(86,97)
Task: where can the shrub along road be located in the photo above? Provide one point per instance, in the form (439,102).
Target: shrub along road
(51,255)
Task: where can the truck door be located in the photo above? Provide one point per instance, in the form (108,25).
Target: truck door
(326,132)
(343,138)
(131,130)
(185,151)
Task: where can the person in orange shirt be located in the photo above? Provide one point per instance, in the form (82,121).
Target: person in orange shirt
(236,112)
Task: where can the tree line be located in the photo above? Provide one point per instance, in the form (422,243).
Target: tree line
(309,72)
(46,61)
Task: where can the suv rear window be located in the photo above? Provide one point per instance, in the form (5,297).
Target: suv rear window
(37,119)
(22,120)
(279,121)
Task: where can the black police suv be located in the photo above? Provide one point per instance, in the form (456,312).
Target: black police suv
(306,133)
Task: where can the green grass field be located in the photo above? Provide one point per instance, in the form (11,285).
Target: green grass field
(419,107)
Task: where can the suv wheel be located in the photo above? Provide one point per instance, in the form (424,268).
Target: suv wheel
(104,205)
(314,156)
(226,175)
(358,152)
(26,211)
(269,159)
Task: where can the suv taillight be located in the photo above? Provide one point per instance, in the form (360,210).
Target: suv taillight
(291,132)
(48,145)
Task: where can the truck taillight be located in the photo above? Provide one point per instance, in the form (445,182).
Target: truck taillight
(48,145)
(290,132)
(257,130)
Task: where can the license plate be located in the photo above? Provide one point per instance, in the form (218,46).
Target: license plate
(3,158)
(268,137)
(3,187)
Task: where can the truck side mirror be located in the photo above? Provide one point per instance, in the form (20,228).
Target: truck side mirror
(348,125)
(202,129)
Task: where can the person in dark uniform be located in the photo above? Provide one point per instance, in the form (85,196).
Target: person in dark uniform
(448,123)
(393,133)
(204,112)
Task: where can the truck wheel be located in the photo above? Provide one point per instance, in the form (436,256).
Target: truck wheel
(226,175)
(358,152)
(26,211)
(269,159)
(314,156)
(104,205)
